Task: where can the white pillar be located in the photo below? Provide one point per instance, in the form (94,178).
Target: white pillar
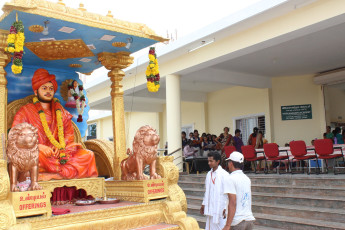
(173,105)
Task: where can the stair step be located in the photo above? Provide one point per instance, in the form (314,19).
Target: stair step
(295,222)
(159,226)
(299,199)
(317,213)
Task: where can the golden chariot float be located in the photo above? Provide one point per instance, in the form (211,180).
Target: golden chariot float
(43,45)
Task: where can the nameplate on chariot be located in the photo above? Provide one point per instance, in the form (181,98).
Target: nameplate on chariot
(31,203)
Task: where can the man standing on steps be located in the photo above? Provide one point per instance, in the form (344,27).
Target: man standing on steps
(238,189)
(215,199)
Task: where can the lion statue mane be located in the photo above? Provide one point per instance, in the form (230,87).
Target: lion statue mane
(22,153)
(144,153)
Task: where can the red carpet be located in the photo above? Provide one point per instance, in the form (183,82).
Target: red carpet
(75,208)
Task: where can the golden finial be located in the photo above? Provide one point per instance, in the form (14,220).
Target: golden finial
(81,7)
(61,2)
(109,14)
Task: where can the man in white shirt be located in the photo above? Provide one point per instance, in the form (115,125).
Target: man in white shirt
(215,200)
(238,189)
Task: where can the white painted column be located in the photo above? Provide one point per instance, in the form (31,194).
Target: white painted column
(173,105)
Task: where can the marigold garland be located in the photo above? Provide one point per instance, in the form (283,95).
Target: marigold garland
(152,72)
(15,45)
(60,145)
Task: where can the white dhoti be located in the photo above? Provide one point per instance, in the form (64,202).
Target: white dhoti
(215,201)
(212,226)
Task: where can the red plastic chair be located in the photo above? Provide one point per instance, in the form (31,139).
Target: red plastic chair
(299,151)
(250,154)
(325,150)
(228,150)
(272,152)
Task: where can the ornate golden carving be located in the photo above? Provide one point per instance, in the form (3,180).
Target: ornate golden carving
(4,180)
(93,186)
(109,14)
(139,191)
(116,62)
(119,44)
(75,65)
(3,99)
(105,150)
(36,28)
(80,16)
(167,169)
(58,50)
(127,217)
(7,216)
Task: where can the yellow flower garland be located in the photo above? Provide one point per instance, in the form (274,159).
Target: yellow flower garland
(62,144)
(152,72)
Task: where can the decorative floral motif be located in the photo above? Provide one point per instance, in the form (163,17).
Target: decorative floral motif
(60,145)
(78,100)
(152,72)
(15,45)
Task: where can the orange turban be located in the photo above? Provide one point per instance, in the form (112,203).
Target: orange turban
(42,76)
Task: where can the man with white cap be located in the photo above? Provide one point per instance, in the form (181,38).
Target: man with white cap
(238,189)
(215,200)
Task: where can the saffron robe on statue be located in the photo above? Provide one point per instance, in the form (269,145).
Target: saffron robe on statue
(81,163)
(215,201)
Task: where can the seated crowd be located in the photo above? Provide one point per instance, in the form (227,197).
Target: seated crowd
(196,146)
(225,143)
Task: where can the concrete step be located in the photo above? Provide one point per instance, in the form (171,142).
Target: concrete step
(295,223)
(324,180)
(298,189)
(194,200)
(278,189)
(320,181)
(194,210)
(303,200)
(316,213)
(194,191)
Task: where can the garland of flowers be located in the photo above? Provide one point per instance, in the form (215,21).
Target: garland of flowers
(60,145)
(152,72)
(15,45)
(78,99)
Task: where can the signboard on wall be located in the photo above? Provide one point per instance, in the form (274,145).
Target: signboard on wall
(296,112)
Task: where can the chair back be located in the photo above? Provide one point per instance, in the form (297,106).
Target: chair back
(323,147)
(248,152)
(298,148)
(228,150)
(271,150)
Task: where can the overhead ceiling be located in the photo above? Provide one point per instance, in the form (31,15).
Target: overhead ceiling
(310,54)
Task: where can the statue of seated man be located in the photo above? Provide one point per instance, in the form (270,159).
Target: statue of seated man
(59,156)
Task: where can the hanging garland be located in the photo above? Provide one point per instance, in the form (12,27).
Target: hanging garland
(61,145)
(15,45)
(152,72)
(78,100)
